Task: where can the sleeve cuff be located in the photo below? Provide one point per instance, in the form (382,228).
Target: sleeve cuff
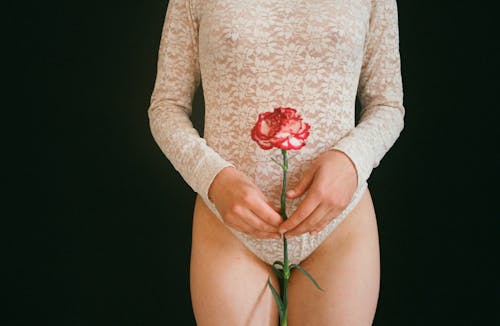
(355,152)
(205,171)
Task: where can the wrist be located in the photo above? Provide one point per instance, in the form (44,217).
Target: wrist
(218,181)
(350,161)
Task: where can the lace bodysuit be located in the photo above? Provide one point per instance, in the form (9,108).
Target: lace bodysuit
(312,55)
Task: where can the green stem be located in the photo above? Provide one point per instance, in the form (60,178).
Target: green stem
(286,277)
(283,189)
(286,266)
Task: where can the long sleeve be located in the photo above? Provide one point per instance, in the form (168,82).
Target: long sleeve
(178,76)
(380,93)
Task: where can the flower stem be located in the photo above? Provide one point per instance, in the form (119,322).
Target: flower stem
(286,266)
(283,189)
(286,277)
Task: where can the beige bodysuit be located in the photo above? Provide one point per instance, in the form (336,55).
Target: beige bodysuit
(252,56)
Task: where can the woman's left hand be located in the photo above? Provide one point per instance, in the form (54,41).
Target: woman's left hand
(330,183)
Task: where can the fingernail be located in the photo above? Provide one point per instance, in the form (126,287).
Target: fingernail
(291,192)
(313,233)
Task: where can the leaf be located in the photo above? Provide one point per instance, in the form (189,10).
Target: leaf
(281,309)
(278,263)
(278,272)
(277,162)
(309,276)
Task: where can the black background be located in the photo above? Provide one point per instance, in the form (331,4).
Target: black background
(102,221)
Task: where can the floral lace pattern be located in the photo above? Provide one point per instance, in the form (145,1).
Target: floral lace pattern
(252,56)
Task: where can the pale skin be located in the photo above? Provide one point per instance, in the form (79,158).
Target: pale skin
(228,282)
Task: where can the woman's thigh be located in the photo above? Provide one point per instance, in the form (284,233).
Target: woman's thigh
(228,282)
(347,266)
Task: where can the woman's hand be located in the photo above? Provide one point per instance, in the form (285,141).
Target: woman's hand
(330,183)
(243,206)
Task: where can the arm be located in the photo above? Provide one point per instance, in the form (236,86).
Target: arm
(178,76)
(335,175)
(240,203)
(380,92)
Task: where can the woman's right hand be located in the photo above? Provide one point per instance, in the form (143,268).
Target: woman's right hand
(243,206)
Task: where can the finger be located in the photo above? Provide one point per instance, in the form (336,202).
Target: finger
(242,225)
(307,206)
(239,225)
(266,235)
(315,219)
(267,213)
(302,186)
(257,232)
(257,223)
(322,225)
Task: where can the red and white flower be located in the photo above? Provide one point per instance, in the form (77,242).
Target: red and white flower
(282,128)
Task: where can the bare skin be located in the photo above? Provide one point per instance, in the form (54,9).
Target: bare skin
(347,265)
(243,206)
(330,183)
(228,282)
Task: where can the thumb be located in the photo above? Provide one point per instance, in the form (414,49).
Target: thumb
(301,187)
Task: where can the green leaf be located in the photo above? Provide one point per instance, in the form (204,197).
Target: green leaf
(309,276)
(281,308)
(277,162)
(278,263)
(278,272)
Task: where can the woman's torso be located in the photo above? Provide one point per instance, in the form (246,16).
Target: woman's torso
(257,55)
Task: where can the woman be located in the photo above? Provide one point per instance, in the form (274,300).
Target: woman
(252,56)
